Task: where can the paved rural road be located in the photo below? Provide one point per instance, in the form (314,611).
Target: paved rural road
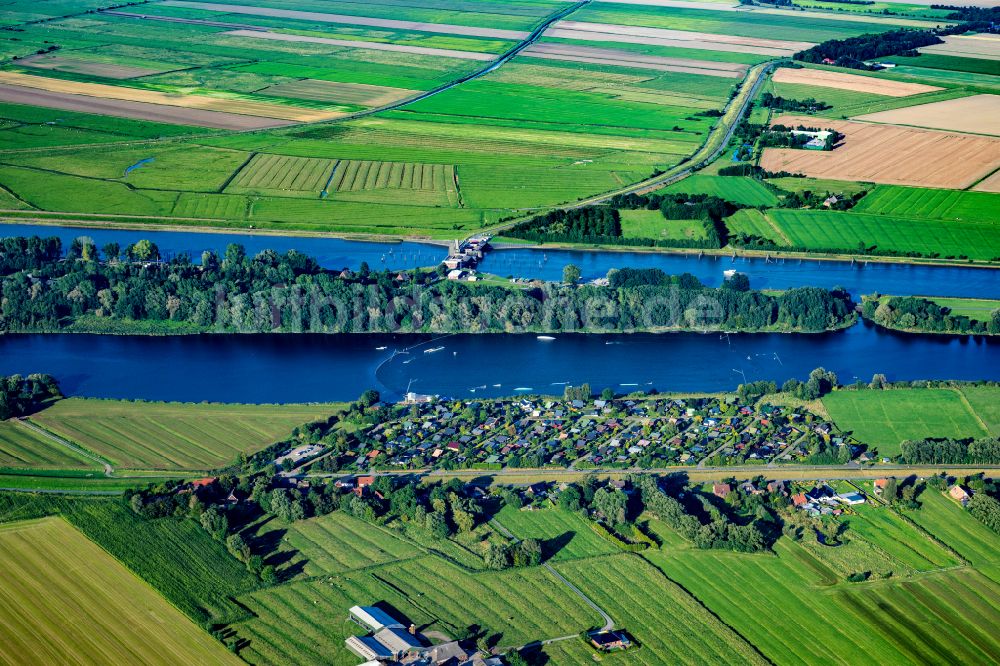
(108,469)
(609,624)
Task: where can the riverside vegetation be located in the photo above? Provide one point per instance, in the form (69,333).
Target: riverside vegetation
(130,291)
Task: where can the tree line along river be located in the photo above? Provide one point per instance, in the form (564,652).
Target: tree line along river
(302,368)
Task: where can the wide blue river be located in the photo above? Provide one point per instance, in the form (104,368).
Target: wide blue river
(297,368)
(306,368)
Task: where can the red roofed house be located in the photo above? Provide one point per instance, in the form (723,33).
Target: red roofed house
(201,483)
(454,446)
(363,483)
(722,490)
(879,485)
(799,500)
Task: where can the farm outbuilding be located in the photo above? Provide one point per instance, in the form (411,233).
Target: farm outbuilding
(374,618)
(368,648)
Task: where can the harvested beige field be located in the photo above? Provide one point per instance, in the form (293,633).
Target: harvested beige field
(320,17)
(216,104)
(627,34)
(354,44)
(991,184)
(360,94)
(172,115)
(968,46)
(620,58)
(107,70)
(855,82)
(978,114)
(890,154)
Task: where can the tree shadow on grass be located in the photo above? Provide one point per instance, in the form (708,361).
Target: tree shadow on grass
(551,547)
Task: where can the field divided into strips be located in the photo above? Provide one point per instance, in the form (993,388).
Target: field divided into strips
(825,230)
(733,188)
(395,182)
(670,624)
(949,522)
(564,535)
(305,622)
(885,419)
(279,173)
(920,202)
(812,621)
(899,539)
(337,542)
(174,436)
(21,447)
(64,600)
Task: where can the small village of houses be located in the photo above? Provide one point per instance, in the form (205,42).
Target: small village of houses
(537,432)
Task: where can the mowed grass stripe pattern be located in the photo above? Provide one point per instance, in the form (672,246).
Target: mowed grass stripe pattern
(885,419)
(823,230)
(306,622)
(947,521)
(174,436)
(64,600)
(900,539)
(942,618)
(338,542)
(929,203)
(22,447)
(280,172)
(672,626)
(787,587)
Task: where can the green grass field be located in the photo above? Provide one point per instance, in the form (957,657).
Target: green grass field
(174,436)
(564,535)
(652,224)
(65,600)
(986,405)
(826,230)
(973,308)
(917,202)
(823,621)
(306,622)
(336,543)
(732,188)
(21,447)
(948,521)
(885,419)
(902,541)
(620,585)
